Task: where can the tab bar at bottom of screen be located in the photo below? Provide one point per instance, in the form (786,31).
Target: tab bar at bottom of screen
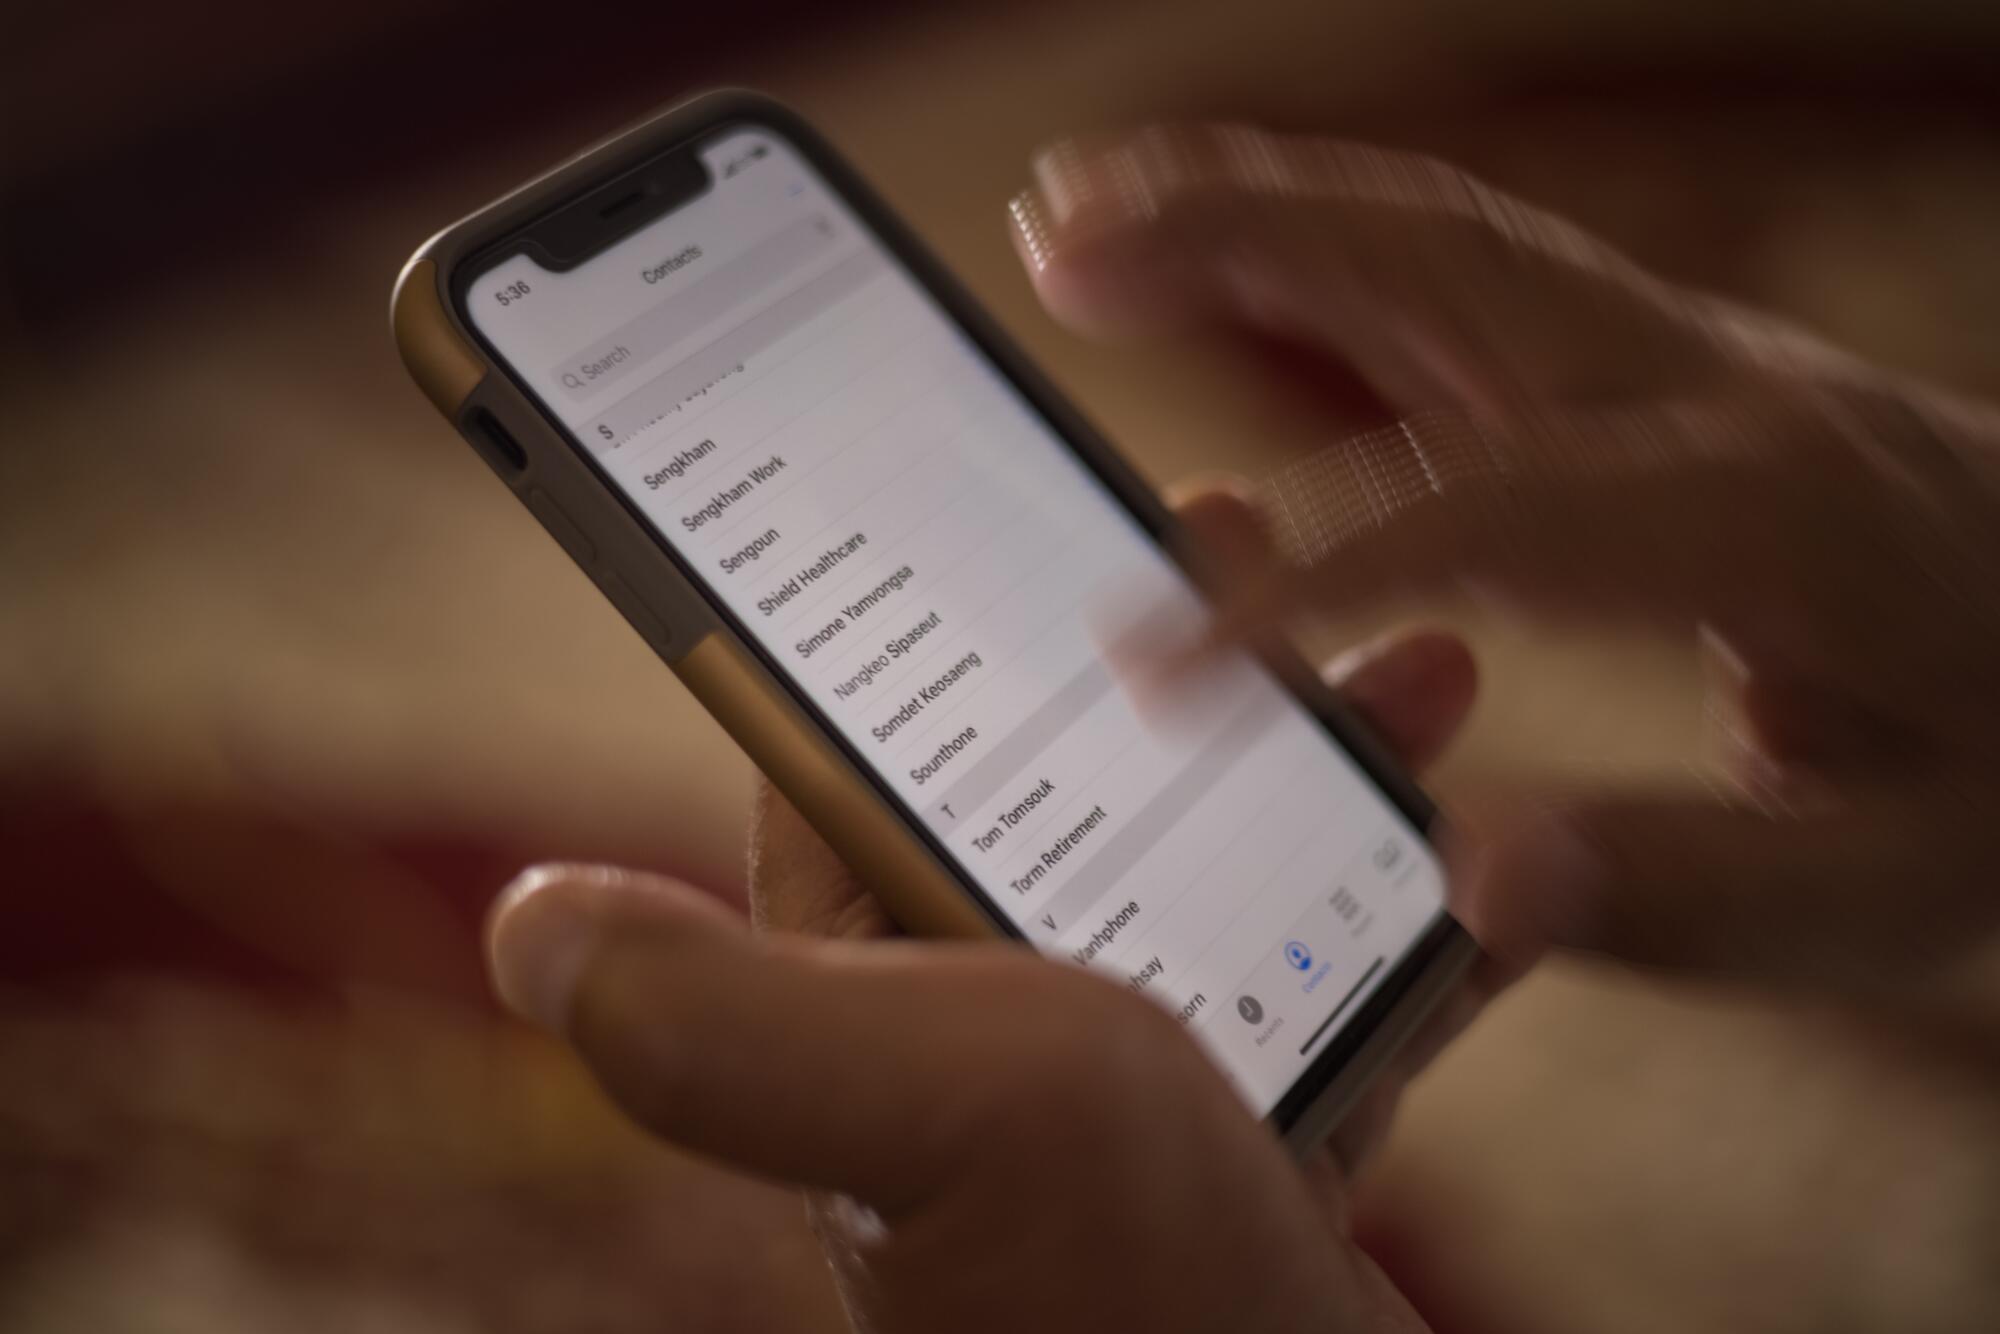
(1299,990)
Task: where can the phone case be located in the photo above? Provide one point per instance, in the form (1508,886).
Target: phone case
(595,524)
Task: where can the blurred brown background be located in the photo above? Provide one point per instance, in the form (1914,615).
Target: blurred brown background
(288,685)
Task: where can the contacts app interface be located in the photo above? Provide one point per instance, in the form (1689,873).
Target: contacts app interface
(909,540)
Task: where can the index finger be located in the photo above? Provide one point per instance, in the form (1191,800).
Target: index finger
(1438,289)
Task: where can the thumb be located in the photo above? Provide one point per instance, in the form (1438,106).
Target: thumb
(888,1072)
(1854,898)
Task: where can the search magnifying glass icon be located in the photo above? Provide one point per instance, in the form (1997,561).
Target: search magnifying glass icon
(571,380)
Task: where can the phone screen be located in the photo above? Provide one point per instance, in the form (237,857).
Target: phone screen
(913,544)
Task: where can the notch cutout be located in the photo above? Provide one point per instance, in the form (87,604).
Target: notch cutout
(611,212)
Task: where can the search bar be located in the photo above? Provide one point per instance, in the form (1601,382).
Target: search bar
(680,382)
(695,306)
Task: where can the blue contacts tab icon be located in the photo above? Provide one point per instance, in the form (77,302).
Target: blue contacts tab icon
(1298,956)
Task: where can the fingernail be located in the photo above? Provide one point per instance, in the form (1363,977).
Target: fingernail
(539,935)
(1031,232)
(1063,179)
(1221,481)
(1350,660)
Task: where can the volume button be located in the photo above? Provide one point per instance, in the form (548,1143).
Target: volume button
(650,627)
(561,527)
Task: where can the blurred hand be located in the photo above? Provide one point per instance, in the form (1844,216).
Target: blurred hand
(989,1142)
(1579,438)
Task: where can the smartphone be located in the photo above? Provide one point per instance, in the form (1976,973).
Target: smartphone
(882,550)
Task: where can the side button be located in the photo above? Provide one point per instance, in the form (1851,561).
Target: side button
(650,627)
(550,515)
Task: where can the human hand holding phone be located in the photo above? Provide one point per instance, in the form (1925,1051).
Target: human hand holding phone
(989,1143)
(905,574)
